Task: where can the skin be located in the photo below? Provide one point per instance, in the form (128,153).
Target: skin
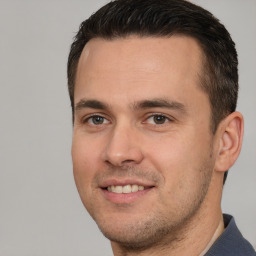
(152,127)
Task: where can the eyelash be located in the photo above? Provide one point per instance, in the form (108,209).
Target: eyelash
(86,120)
(154,115)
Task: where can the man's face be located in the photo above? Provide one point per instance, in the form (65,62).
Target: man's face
(142,148)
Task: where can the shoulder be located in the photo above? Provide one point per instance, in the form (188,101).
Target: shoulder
(231,241)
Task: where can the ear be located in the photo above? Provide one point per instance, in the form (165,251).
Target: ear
(230,141)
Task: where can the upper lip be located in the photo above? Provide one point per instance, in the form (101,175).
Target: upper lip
(123,182)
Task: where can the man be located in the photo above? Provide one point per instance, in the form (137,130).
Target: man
(153,88)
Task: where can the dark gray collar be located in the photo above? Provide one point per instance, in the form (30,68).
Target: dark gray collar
(231,241)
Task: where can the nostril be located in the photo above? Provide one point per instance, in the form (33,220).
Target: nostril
(122,164)
(127,161)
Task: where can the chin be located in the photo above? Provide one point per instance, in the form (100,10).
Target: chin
(138,235)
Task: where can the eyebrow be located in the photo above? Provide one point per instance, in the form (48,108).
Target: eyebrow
(144,104)
(95,104)
(159,103)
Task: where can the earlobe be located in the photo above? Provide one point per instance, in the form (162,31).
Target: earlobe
(230,141)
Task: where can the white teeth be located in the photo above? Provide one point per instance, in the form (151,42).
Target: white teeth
(135,188)
(119,189)
(127,189)
(124,189)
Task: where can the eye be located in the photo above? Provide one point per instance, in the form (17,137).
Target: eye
(158,119)
(96,120)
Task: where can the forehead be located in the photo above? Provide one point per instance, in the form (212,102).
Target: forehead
(138,66)
(150,53)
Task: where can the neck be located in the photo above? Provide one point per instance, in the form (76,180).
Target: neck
(215,236)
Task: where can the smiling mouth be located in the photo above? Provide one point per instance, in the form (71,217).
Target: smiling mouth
(126,189)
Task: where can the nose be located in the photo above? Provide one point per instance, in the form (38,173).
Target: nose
(123,147)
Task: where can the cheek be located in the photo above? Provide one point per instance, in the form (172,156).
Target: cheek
(170,155)
(179,160)
(85,151)
(85,164)
(85,159)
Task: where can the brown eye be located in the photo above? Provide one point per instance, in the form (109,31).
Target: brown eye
(158,119)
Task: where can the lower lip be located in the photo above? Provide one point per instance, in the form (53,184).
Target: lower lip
(125,198)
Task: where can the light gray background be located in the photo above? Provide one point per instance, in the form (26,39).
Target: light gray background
(40,210)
